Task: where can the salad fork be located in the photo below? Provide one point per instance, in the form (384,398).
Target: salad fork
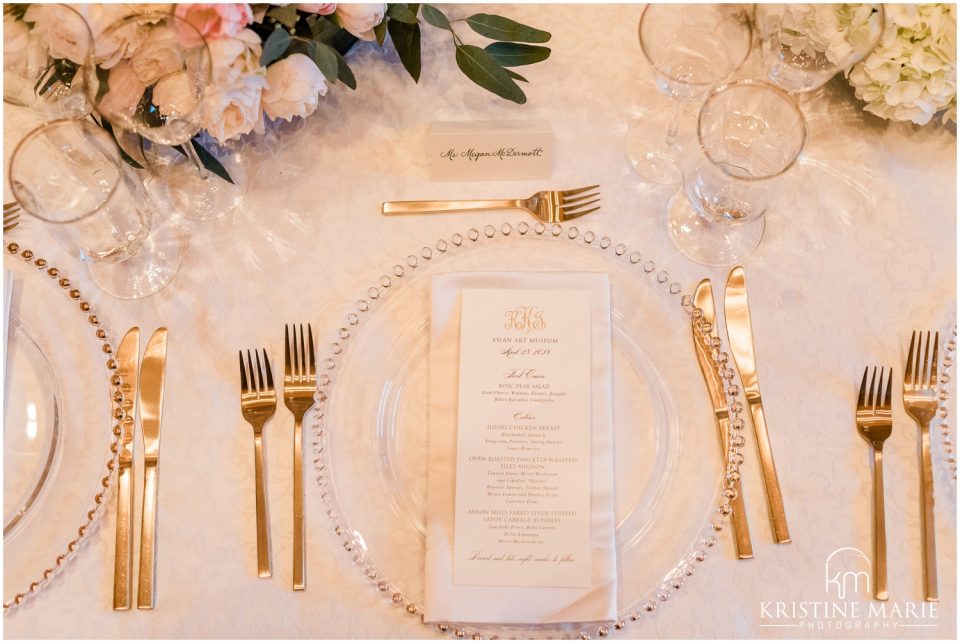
(875,423)
(920,403)
(299,385)
(11,215)
(258,403)
(550,206)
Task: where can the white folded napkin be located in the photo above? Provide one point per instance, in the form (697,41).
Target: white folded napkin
(446,602)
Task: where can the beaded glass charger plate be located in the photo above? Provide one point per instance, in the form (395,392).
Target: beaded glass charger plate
(371,430)
(58,415)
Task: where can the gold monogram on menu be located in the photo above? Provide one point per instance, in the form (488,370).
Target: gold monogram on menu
(525,319)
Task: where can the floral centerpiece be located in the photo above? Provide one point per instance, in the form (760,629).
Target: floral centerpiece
(268,61)
(912,74)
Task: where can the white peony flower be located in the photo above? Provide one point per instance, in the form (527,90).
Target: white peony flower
(235,58)
(175,95)
(24,54)
(360,19)
(294,87)
(231,113)
(66,33)
(159,55)
(912,73)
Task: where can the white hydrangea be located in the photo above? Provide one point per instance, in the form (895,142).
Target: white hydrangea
(841,33)
(912,73)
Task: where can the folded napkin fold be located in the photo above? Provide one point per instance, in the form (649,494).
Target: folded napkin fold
(446,602)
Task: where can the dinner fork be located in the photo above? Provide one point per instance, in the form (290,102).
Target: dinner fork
(550,206)
(258,402)
(875,423)
(299,384)
(920,403)
(11,215)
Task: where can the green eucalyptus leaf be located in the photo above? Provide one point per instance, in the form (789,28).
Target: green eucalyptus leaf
(500,28)
(515,54)
(285,15)
(406,40)
(344,73)
(275,46)
(380,31)
(402,13)
(435,17)
(323,29)
(325,58)
(103,78)
(210,161)
(483,69)
(514,75)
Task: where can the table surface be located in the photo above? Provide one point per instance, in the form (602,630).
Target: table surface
(859,249)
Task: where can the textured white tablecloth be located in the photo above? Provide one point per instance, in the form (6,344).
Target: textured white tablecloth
(859,248)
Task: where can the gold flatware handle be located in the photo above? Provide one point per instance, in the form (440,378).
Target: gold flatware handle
(926,500)
(263,528)
(439,207)
(771,483)
(123,554)
(879,530)
(741,529)
(299,582)
(148,533)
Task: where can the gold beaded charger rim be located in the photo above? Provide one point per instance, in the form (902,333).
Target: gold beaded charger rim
(96,506)
(352,541)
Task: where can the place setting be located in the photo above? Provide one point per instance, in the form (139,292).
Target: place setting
(539,420)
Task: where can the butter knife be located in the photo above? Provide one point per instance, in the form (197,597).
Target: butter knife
(703,299)
(151,403)
(740,334)
(128,362)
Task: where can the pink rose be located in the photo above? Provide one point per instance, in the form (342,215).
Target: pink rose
(215,21)
(322,9)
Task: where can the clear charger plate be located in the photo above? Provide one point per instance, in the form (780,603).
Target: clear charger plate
(371,430)
(58,414)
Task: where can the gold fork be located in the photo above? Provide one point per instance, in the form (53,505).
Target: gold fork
(551,206)
(299,384)
(920,403)
(258,402)
(875,423)
(11,215)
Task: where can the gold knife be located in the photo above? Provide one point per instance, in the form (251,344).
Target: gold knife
(703,299)
(740,334)
(151,403)
(128,362)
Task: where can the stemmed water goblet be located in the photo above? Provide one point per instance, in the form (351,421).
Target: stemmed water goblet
(156,90)
(47,53)
(749,133)
(690,48)
(803,46)
(69,173)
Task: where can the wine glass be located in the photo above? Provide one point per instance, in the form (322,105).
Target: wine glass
(691,48)
(69,174)
(47,53)
(803,46)
(749,133)
(151,74)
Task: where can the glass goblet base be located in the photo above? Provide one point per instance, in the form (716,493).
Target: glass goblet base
(652,156)
(707,242)
(202,195)
(147,272)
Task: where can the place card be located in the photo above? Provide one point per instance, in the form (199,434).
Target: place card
(523,439)
(490,150)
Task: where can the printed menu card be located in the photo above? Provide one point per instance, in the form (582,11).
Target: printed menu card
(523,439)
(520,516)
